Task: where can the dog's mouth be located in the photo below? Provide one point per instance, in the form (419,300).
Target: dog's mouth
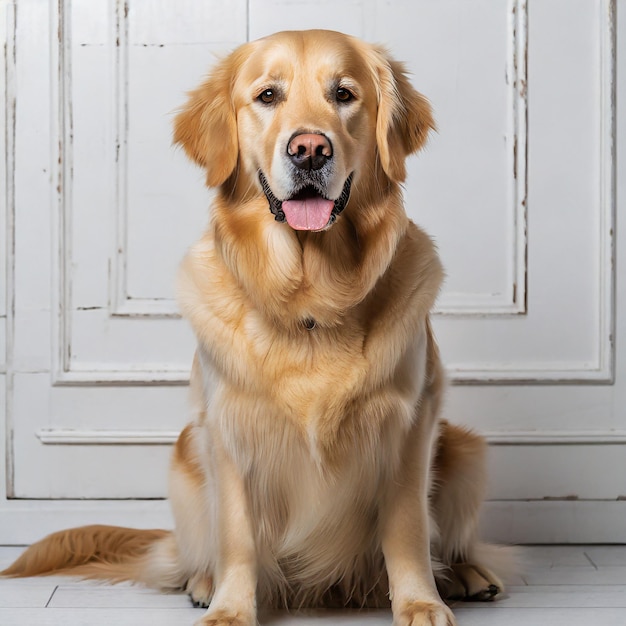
(308,209)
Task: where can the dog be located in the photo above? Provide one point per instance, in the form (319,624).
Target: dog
(316,471)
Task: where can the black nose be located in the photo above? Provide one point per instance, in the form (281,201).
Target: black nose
(309,151)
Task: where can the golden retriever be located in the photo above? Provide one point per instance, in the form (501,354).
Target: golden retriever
(316,470)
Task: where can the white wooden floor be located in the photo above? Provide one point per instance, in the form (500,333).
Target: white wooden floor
(562,586)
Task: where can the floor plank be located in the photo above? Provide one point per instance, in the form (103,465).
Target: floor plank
(535,597)
(602,556)
(15,595)
(609,575)
(542,617)
(97,597)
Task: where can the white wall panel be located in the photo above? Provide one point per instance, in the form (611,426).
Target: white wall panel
(110,142)
(122,230)
(469,188)
(517,187)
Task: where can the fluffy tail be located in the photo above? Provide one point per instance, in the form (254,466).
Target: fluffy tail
(104,552)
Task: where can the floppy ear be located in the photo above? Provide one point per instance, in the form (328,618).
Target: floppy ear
(206,127)
(404,117)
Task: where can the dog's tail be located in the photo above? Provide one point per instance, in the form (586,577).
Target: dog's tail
(108,553)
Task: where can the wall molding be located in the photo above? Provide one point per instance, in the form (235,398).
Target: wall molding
(608,187)
(471,375)
(64,371)
(65,436)
(8,23)
(513,301)
(601,372)
(557,373)
(555,437)
(69,437)
(121,376)
(61,161)
(122,304)
(7,176)
(7,135)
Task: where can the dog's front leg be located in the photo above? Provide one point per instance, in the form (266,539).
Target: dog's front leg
(234,600)
(415,600)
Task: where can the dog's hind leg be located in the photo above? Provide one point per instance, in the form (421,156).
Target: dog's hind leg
(473,570)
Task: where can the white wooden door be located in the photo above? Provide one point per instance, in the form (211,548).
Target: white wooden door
(518,188)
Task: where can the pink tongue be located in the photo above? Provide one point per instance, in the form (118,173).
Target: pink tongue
(309,214)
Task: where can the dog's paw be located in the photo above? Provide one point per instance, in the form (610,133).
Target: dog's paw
(470,582)
(200,590)
(223,617)
(424,614)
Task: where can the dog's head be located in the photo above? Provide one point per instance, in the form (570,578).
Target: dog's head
(302,116)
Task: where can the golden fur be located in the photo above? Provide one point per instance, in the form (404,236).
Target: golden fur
(316,470)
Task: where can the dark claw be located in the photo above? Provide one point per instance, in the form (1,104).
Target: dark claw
(197,604)
(485,595)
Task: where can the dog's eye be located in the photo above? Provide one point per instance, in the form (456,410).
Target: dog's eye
(267,97)
(344,95)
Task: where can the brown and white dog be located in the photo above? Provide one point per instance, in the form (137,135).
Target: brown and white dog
(316,470)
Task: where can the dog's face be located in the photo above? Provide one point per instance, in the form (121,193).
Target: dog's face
(304,122)
(301,116)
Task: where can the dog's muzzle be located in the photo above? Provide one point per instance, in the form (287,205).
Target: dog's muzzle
(308,209)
